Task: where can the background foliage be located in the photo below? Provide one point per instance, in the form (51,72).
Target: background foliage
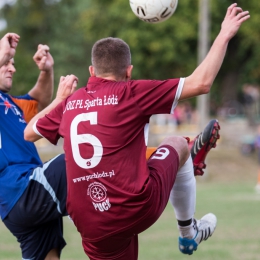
(163,50)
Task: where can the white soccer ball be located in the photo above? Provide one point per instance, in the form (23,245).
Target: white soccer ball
(153,11)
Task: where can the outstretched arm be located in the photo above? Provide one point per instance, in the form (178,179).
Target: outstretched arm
(66,87)
(200,81)
(8,46)
(43,89)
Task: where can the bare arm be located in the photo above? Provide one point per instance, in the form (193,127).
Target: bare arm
(66,87)
(201,80)
(8,46)
(43,89)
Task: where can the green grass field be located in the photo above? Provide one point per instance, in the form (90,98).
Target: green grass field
(227,190)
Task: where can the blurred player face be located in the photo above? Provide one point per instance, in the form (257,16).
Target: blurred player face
(6,76)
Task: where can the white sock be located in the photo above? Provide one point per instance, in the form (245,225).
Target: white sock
(187,231)
(183,194)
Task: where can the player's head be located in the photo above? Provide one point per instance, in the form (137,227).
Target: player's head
(6,76)
(111,57)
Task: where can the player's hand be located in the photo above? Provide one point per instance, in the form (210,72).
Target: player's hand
(8,46)
(43,58)
(235,16)
(66,86)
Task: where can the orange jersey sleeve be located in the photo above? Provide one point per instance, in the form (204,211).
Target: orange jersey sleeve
(29,107)
(149,151)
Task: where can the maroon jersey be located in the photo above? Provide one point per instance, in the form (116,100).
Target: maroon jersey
(105,130)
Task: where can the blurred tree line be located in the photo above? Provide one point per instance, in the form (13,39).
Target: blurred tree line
(161,51)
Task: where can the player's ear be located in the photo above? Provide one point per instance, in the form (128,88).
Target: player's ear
(91,71)
(129,72)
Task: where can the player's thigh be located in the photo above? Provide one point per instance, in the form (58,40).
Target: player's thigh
(163,165)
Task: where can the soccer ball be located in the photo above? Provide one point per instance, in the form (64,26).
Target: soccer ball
(153,11)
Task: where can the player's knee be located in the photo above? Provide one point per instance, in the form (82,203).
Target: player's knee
(180,144)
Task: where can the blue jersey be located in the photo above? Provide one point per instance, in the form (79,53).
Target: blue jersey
(17,156)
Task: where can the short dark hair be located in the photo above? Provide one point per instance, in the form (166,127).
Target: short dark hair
(111,56)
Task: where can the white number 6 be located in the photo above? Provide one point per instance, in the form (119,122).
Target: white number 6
(77,139)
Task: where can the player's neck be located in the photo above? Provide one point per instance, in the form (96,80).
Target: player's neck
(110,78)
